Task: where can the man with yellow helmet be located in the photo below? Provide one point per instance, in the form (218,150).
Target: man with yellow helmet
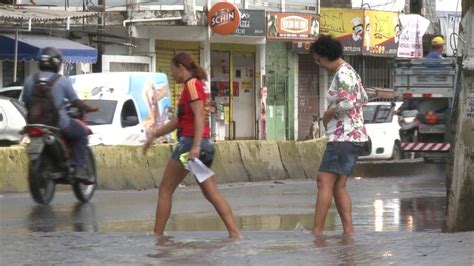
(437,47)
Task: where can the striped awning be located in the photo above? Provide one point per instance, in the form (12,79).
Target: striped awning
(40,14)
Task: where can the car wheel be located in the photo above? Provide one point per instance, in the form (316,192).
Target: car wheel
(397,153)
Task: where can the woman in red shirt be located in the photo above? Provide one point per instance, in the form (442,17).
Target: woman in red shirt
(192,123)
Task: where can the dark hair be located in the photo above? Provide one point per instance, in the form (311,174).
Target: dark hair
(328,47)
(187,61)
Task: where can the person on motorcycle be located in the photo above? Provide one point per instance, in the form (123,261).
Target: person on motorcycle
(62,92)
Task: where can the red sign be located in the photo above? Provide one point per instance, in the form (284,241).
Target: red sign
(223,18)
(292,26)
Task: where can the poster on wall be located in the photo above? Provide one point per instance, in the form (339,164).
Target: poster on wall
(411,37)
(223,88)
(381,35)
(292,26)
(252,23)
(346,25)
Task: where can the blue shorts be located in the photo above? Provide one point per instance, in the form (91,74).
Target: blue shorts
(185,144)
(341,157)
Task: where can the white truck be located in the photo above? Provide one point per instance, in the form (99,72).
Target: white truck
(427,87)
(129,103)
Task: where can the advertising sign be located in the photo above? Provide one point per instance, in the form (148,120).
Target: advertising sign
(252,23)
(346,25)
(411,37)
(381,35)
(148,91)
(292,26)
(224,18)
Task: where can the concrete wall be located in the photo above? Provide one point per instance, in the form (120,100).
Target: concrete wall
(460,185)
(123,167)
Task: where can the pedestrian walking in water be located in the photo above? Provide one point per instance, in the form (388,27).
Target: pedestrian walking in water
(345,130)
(192,123)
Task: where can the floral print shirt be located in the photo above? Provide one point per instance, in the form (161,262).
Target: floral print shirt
(346,96)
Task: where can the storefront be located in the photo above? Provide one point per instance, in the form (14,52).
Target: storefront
(236,71)
(369,38)
(233,90)
(292,79)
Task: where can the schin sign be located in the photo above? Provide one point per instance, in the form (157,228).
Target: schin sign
(224,18)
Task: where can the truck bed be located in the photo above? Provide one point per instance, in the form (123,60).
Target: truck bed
(424,78)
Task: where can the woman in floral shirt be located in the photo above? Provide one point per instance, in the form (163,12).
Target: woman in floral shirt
(345,129)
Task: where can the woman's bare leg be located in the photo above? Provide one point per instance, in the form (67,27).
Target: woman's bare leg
(325,182)
(344,205)
(212,194)
(172,177)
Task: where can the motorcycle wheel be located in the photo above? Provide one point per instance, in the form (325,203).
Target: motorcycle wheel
(82,191)
(41,184)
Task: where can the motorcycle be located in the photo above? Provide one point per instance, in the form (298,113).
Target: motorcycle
(49,155)
(409,126)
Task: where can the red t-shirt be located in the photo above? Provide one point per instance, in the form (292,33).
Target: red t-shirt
(193,90)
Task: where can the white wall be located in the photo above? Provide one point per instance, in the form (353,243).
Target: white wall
(107,59)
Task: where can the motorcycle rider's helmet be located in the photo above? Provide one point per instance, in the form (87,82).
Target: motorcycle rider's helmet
(50,60)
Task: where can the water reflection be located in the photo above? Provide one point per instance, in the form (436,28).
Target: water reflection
(84,218)
(413,214)
(298,222)
(42,219)
(421,214)
(81,218)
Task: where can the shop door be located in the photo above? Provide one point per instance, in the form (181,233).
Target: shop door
(220,90)
(244,95)
(308,95)
(277,87)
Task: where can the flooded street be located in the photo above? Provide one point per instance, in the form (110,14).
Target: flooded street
(397,220)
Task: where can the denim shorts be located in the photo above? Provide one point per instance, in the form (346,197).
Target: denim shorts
(341,157)
(185,144)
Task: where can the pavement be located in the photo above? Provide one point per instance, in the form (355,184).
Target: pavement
(398,220)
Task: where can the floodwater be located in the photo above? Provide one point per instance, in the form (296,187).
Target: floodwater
(398,220)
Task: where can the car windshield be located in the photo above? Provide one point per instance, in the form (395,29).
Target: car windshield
(104,116)
(374,114)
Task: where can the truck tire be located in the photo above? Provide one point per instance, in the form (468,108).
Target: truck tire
(397,153)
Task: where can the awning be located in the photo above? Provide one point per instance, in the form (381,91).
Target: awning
(40,14)
(30,46)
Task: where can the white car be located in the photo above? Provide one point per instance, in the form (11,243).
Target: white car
(11,92)
(383,129)
(12,121)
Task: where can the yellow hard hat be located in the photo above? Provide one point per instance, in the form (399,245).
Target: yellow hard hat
(437,40)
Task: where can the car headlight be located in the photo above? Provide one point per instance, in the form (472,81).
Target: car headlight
(408,119)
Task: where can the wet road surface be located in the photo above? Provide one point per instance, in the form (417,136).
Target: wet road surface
(397,219)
